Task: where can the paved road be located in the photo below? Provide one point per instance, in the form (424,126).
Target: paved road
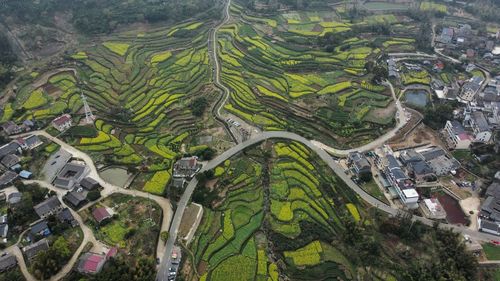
(214,42)
(400,120)
(162,274)
(336,168)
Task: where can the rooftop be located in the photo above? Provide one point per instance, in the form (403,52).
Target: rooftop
(76,198)
(39,226)
(100,214)
(61,120)
(480,121)
(410,193)
(47,206)
(7,261)
(89,183)
(32,250)
(9,148)
(91,263)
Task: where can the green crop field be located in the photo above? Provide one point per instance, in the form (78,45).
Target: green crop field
(139,87)
(287,215)
(233,232)
(280,75)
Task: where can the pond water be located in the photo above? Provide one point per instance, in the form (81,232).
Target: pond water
(417,98)
(115,175)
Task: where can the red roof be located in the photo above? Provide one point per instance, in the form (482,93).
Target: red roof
(112,252)
(464,136)
(92,263)
(100,214)
(20,141)
(61,120)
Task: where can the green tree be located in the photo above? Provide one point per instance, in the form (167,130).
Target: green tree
(93,195)
(164,236)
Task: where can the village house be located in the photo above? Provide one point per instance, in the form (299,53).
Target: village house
(101,214)
(65,216)
(7,178)
(50,206)
(359,164)
(401,183)
(92,263)
(89,183)
(40,228)
(62,123)
(31,251)
(70,175)
(29,143)
(480,127)
(14,198)
(9,148)
(10,160)
(432,209)
(11,128)
(489,215)
(7,261)
(470,89)
(439,161)
(456,136)
(76,197)
(186,167)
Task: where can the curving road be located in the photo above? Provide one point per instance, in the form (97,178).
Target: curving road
(400,123)
(163,272)
(336,168)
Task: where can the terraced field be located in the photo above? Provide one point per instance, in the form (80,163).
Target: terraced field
(277,213)
(139,86)
(281,80)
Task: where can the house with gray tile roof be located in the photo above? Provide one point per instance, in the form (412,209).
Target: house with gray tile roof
(50,206)
(31,251)
(7,261)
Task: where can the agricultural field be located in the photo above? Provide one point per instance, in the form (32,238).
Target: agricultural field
(281,79)
(284,215)
(289,202)
(139,86)
(135,227)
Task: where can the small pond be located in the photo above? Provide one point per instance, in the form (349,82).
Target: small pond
(115,176)
(418,98)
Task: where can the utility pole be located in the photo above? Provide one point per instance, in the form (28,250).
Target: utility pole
(89,117)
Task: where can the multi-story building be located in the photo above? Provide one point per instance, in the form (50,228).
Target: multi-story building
(359,163)
(457,137)
(404,187)
(480,127)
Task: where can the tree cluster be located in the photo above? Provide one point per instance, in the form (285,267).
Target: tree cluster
(48,263)
(437,115)
(7,59)
(96,16)
(198,106)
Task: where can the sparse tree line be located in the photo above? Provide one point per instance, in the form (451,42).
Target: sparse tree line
(95,16)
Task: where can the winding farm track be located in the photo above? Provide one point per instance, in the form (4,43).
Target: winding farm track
(212,52)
